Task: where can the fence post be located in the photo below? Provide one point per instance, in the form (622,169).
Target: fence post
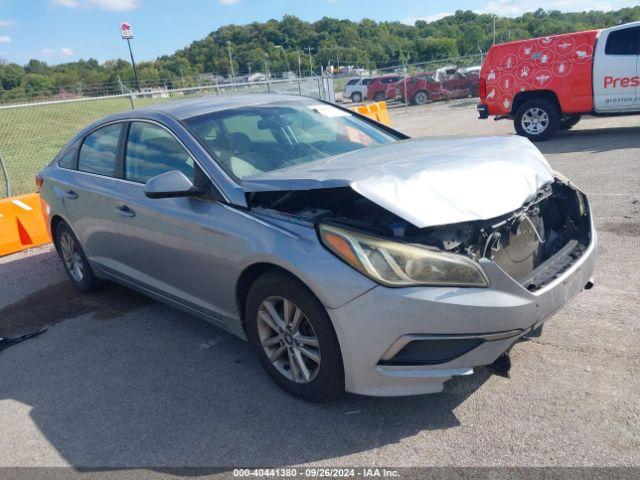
(132,98)
(7,182)
(404,83)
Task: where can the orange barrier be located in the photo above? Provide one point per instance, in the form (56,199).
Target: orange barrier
(21,224)
(377,111)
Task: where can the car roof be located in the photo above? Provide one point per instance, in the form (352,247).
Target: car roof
(182,109)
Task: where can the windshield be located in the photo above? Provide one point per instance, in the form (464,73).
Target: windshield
(256,139)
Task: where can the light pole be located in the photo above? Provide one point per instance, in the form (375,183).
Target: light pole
(233,75)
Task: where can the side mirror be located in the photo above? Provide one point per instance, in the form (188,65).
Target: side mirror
(171,185)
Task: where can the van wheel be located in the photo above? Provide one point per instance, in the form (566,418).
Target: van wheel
(356,97)
(379,96)
(420,98)
(292,335)
(74,260)
(537,119)
(569,122)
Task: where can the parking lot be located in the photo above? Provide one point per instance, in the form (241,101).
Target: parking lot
(121,380)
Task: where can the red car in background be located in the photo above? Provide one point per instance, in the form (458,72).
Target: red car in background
(377,89)
(458,84)
(420,89)
(423,87)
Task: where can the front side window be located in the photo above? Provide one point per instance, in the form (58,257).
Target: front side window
(151,151)
(256,139)
(623,42)
(99,151)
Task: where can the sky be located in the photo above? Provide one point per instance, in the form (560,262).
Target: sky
(58,31)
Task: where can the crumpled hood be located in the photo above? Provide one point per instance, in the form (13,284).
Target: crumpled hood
(427,182)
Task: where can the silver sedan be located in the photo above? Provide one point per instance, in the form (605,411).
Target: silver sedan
(350,256)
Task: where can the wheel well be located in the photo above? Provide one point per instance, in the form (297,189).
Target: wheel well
(250,275)
(522,97)
(55,221)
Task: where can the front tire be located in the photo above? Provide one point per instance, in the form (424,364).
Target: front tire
(379,96)
(74,260)
(537,119)
(292,335)
(356,97)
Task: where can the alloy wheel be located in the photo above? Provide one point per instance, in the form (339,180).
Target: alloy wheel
(288,339)
(535,121)
(421,98)
(72,257)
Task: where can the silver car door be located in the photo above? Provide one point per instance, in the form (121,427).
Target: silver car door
(87,193)
(167,245)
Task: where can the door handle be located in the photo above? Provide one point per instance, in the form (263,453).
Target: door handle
(125,211)
(70,194)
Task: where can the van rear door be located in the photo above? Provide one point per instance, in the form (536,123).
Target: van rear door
(615,70)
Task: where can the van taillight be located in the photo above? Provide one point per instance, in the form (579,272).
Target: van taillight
(482,88)
(39,182)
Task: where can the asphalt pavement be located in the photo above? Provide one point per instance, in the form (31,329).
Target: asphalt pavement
(121,380)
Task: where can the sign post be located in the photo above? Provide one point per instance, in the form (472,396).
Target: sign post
(126,32)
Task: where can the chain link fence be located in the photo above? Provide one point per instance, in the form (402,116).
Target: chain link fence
(32,134)
(415,83)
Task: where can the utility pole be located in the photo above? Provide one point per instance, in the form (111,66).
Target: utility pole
(299,65)
(310,62)
(284,52)
(494,28)
(233,75)
(266,65)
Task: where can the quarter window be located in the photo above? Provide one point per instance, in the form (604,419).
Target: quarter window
(151,151)
(99,151)
(68,160)
(623,42)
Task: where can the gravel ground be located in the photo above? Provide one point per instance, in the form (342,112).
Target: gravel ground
(120,380)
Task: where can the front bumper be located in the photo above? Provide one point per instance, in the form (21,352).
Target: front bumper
(376,325)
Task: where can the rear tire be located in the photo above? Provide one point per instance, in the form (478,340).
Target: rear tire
(302,356)
(537,119)
(356,97)
(74,260)
(420,98)
(569,122)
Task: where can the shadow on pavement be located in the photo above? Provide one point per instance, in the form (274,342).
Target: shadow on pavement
(592,140)
(122,381)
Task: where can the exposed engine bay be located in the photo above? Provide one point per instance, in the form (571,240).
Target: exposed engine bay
(533,244)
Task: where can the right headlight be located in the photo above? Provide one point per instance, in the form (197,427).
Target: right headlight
(396,264)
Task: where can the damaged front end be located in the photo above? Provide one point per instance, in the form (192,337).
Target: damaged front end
(534,244)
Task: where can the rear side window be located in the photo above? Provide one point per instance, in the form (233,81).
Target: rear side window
(367,81)
(99,151)
(623,42)
(151,151)
(353,81)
